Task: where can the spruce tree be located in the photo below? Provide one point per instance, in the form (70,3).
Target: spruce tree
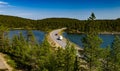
(70,55)
(106,59)
(2,32)
(91,44)
(115,54)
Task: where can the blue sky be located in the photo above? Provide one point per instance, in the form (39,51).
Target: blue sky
(79,9)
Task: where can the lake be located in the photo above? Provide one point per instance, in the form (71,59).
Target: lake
(76,38)
(39,35)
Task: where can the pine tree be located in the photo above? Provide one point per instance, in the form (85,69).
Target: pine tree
(22,39)
(2,32)
(115,54)
(91,44)
(92,50)
(60,59)
(31,38)
(70,55)
(106,59)
(6,44)
(92,17)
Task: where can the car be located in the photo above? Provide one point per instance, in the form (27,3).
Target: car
(56,34)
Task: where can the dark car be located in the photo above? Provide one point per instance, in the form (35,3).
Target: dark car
(56,34)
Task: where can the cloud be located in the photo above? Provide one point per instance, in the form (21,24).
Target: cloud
(4,4)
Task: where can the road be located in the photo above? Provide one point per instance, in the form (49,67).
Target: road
(54,37)
(62,43)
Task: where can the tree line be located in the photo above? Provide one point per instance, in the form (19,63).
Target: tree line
(72,25)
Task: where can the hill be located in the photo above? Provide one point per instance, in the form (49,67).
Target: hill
(15,22)
(72,25)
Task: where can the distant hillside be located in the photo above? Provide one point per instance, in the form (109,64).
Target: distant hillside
(73,25)
(15,22)
(76,26)
(59,19)
(55,23)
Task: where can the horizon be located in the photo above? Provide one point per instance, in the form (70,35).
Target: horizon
(55,17)
(76,9)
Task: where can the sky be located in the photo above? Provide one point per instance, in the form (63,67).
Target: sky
(78,9)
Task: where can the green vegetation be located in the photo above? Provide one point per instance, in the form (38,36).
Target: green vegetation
(92,51)
(73,25)
(92,48)
(115,55)
(28,55)
(97,58)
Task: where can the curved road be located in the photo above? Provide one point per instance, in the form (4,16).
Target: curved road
(62,43)
(54,37)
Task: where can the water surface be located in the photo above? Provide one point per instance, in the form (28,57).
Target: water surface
(39,35)
(77,39)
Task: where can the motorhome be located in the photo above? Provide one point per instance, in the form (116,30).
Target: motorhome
(60,37)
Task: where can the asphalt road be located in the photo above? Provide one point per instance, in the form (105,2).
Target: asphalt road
(54,37)
(62,43)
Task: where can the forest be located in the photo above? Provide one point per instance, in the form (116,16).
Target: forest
(48,24)
(27,55)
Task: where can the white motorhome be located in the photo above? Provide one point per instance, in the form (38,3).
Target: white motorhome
(60,37)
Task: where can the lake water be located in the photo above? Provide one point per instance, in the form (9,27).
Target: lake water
(39,35)
(76,38)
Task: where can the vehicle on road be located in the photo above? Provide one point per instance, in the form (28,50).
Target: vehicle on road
(60,37)
(56,34)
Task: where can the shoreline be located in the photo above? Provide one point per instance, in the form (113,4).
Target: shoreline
(112,33)
(22,29)
(104,33)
